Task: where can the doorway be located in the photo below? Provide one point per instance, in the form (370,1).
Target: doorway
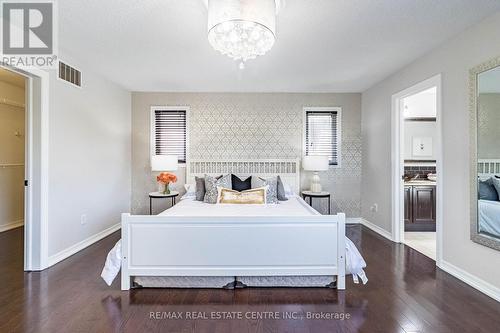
(34,172)
(12,162)
(416,168)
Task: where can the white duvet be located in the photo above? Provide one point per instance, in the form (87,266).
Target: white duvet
(489,217)
(294,206)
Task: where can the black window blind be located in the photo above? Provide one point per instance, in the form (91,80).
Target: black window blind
(322,134)
(170,133)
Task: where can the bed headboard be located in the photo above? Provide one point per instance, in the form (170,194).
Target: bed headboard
(488,167)
(287,169)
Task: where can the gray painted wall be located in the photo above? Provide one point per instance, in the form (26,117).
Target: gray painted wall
(89,157)
(253,126)
(453,60)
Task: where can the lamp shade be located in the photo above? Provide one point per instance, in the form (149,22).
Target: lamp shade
(315,163)
(164,163)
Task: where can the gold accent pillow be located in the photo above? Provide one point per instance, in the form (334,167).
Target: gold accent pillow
(255,196)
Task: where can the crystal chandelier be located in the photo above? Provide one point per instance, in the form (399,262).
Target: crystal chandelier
(242,29)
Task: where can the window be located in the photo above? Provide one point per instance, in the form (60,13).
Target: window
(169,132)
(322,133)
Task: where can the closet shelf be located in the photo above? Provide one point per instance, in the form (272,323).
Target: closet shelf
(11,103)
(10,165)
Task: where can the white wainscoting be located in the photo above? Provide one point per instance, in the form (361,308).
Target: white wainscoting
(68,252)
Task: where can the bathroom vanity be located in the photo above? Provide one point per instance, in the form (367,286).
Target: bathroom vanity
(420,205)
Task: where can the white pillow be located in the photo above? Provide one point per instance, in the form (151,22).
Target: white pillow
(288,190)
(190,192)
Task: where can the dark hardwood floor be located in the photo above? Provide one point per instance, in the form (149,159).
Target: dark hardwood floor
(406,293)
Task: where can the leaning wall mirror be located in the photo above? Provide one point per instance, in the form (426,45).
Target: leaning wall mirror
(485,153)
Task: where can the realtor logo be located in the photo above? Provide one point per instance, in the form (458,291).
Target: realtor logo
(28,33)
(27,28)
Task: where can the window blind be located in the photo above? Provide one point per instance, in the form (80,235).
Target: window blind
(322,134)
(170,133)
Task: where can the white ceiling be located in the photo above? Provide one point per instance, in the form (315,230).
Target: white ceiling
(322,45)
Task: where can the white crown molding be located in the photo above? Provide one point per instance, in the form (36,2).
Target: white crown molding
(68,252)
(472,280)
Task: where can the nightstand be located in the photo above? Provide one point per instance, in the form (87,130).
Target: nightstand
(159,195)
(311,195)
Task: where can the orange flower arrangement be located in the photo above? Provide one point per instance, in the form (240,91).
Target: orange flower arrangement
(166,178)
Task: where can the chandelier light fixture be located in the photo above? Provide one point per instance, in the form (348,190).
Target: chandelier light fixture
(242,29)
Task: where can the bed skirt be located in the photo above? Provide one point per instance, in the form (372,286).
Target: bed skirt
(231,283)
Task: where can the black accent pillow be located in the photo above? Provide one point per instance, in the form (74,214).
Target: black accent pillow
(487,190)
(241,185)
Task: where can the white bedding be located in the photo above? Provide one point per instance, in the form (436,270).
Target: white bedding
(489,217)
(294,206)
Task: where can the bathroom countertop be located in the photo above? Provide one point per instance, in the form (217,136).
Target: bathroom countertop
(424,182)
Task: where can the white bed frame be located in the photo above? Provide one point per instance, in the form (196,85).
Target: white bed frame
(234,246)
(488,167)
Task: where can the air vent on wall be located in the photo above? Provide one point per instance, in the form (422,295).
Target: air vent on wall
(70,74)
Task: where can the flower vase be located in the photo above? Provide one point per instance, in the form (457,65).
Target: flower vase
(166,190)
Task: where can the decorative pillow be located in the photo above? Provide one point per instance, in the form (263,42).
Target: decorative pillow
(241,185)
(281,194)
(200,187)
(487,190)
(288,191)
(272,191)
(190,192)
(256,196)
(496,184)
(211,185)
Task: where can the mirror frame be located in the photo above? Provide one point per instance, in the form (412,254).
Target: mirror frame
(475,236)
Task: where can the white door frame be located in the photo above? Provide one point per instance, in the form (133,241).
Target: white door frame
(36,167)
(397,162)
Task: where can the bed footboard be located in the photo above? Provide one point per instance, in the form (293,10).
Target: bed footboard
(232,246)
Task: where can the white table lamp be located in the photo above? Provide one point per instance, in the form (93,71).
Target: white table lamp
(164,163)
(316,164)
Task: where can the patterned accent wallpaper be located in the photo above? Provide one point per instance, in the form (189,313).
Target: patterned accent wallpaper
(247,126)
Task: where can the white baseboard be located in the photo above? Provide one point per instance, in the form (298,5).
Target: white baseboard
(377,229)
(60,256)
(11,225)
(353,220)
(472,280)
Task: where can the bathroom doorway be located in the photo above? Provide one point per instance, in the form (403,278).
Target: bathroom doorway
(416,170)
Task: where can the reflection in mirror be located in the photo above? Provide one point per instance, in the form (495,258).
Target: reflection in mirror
(488,152)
